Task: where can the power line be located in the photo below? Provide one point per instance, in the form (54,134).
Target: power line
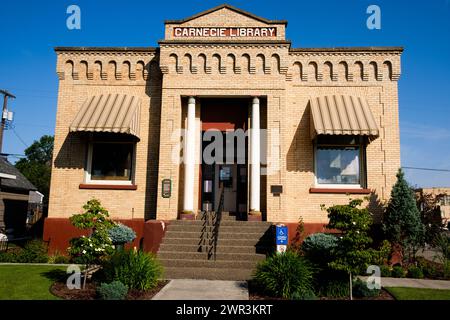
(427,169)
(21,140)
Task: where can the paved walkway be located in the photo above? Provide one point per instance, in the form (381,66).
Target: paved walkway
(414,283)
(189,289)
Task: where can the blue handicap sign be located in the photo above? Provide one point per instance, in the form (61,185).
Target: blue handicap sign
(281,235)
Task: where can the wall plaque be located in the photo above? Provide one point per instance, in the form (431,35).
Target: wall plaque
(276,190)
(166,188)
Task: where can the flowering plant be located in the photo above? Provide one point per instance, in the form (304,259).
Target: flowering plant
(91,249)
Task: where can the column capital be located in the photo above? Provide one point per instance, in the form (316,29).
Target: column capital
(191,100)
(255,100)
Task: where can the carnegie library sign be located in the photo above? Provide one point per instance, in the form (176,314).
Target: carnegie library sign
(224,32)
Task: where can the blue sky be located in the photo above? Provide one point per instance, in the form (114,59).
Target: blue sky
(30,29)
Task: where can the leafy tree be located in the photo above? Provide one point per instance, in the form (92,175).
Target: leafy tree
(92,249)
(430,214)
(352,253)
(37,165)
(401,222)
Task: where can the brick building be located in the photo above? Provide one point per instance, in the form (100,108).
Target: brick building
(315,126)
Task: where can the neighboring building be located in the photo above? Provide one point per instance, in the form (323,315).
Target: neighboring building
(443,197)
(15,192)
(323,125)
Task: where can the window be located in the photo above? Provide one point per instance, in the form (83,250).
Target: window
(110,163)
(339,161)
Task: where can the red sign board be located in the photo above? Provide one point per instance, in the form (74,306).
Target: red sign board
(204,32)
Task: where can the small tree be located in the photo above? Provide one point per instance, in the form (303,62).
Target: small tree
(352,253)
(296,243)
(430,214)
(92,249)
(401,222)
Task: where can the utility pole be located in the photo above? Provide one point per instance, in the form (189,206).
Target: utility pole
(6,95)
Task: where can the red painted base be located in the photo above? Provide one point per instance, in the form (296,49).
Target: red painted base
(59,231)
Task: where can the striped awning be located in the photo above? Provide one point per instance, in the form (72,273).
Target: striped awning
(116,113)
(342,115)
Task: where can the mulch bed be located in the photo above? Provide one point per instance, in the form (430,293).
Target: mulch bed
(60,290)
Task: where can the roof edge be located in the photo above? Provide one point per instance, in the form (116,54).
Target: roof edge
(117,49)
(246,13)
(348,49)
(230,42)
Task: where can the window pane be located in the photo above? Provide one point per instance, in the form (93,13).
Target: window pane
(111,161)
(338,165)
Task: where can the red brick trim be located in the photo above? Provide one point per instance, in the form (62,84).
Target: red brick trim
(108,186)
(338,190)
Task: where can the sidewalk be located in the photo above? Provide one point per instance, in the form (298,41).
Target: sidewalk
(414,283)
(190,289)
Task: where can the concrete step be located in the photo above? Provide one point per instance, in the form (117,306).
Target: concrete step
(238,234)
(220,242)
(228,217)
(208,273)
(223,223)
(223,228)
(219,256)
(220,249)
(237,223)
(192,263)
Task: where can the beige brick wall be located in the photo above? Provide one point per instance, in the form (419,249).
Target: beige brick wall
(285,78)
(121,72)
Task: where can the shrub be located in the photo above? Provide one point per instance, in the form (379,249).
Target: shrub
(447,270)
(428,268)
(58,258)
(415,272)
(115,290)
(318,247)
(385,271)
(282,275)
(34,251)
(121,234)
(138,270)
(308,295)
(335,288)
(398,272)
(442,244)
(360,289)
(9,256)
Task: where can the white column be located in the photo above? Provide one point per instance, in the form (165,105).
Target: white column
(189,157)
(255,152)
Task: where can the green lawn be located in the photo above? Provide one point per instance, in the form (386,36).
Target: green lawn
(28,282)
(418,293)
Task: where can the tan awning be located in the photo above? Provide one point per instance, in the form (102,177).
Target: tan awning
(342,115)
(116,113)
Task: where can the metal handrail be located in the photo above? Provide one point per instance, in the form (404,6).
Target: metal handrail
(210,228)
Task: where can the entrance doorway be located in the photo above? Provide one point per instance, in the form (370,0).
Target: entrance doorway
(224,155)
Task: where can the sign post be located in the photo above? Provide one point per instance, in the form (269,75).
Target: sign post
(281,238)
